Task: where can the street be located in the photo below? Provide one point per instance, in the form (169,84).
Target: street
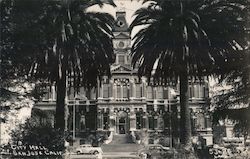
(109,155)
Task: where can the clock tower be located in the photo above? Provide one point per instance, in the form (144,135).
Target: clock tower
(121,41)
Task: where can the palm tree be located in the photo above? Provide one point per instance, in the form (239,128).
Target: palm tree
(63,39)
(234,103)
(188,39)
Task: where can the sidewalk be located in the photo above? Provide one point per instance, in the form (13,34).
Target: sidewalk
(108,155)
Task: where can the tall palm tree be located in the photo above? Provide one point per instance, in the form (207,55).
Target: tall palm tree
(63,39)
(234,103)
(188,39)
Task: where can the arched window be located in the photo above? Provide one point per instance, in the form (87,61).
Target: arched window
(122,88)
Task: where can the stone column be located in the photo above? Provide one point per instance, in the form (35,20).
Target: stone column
(111,95)
(144,87)
(132,120)
(155,105)
(145,120)
(112,119)
(132,94)
(114,91)
(101,91)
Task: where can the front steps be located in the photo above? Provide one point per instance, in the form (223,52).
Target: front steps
(121,143)
(122,139)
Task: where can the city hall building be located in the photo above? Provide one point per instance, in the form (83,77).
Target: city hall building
(125,104)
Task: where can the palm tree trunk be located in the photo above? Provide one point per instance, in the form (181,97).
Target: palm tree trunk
(60,102)
(185,122)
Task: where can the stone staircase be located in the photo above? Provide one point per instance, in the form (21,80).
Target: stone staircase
(121,143)
(118,148)
(122,139)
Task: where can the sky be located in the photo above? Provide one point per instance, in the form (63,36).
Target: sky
(129,6)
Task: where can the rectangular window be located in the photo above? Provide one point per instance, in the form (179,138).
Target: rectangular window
(160,93)
(165,93)
(151,123)
(138,91)
(138,122)
(121,59)
(150,92)
(144,122)
(202,92)
(155,122)
(118,92)
(125,92)
(190,92)
(105,91)
(105,121)
(154,92)
(196,91)
(92,94)
(71,93)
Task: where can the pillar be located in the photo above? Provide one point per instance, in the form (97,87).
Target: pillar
(144,87)
(111,89)
(132,120)
(112,119)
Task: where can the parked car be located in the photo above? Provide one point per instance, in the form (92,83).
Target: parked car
(154,150)
(88,149)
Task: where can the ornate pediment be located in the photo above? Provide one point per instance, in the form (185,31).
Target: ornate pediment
(121,69)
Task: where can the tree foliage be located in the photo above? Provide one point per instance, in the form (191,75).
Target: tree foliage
(44,33)
(31,133)
(189,39)
(56,39)
(233,103)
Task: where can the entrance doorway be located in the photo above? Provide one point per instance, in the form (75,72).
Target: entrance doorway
(122,125)
(122,122)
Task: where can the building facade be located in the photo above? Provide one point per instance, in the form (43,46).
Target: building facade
(126,104)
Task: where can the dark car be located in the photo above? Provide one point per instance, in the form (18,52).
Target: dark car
(154,150)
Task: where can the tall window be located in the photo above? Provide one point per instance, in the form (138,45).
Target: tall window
(165,93)
(121,59)
(150,92)
(105,90)
(119,91)
(125,92)
(138,90)
(122,88)
(191,91)
(151,122)
(159,92)
(201,91)
(105,121)
(139,121)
